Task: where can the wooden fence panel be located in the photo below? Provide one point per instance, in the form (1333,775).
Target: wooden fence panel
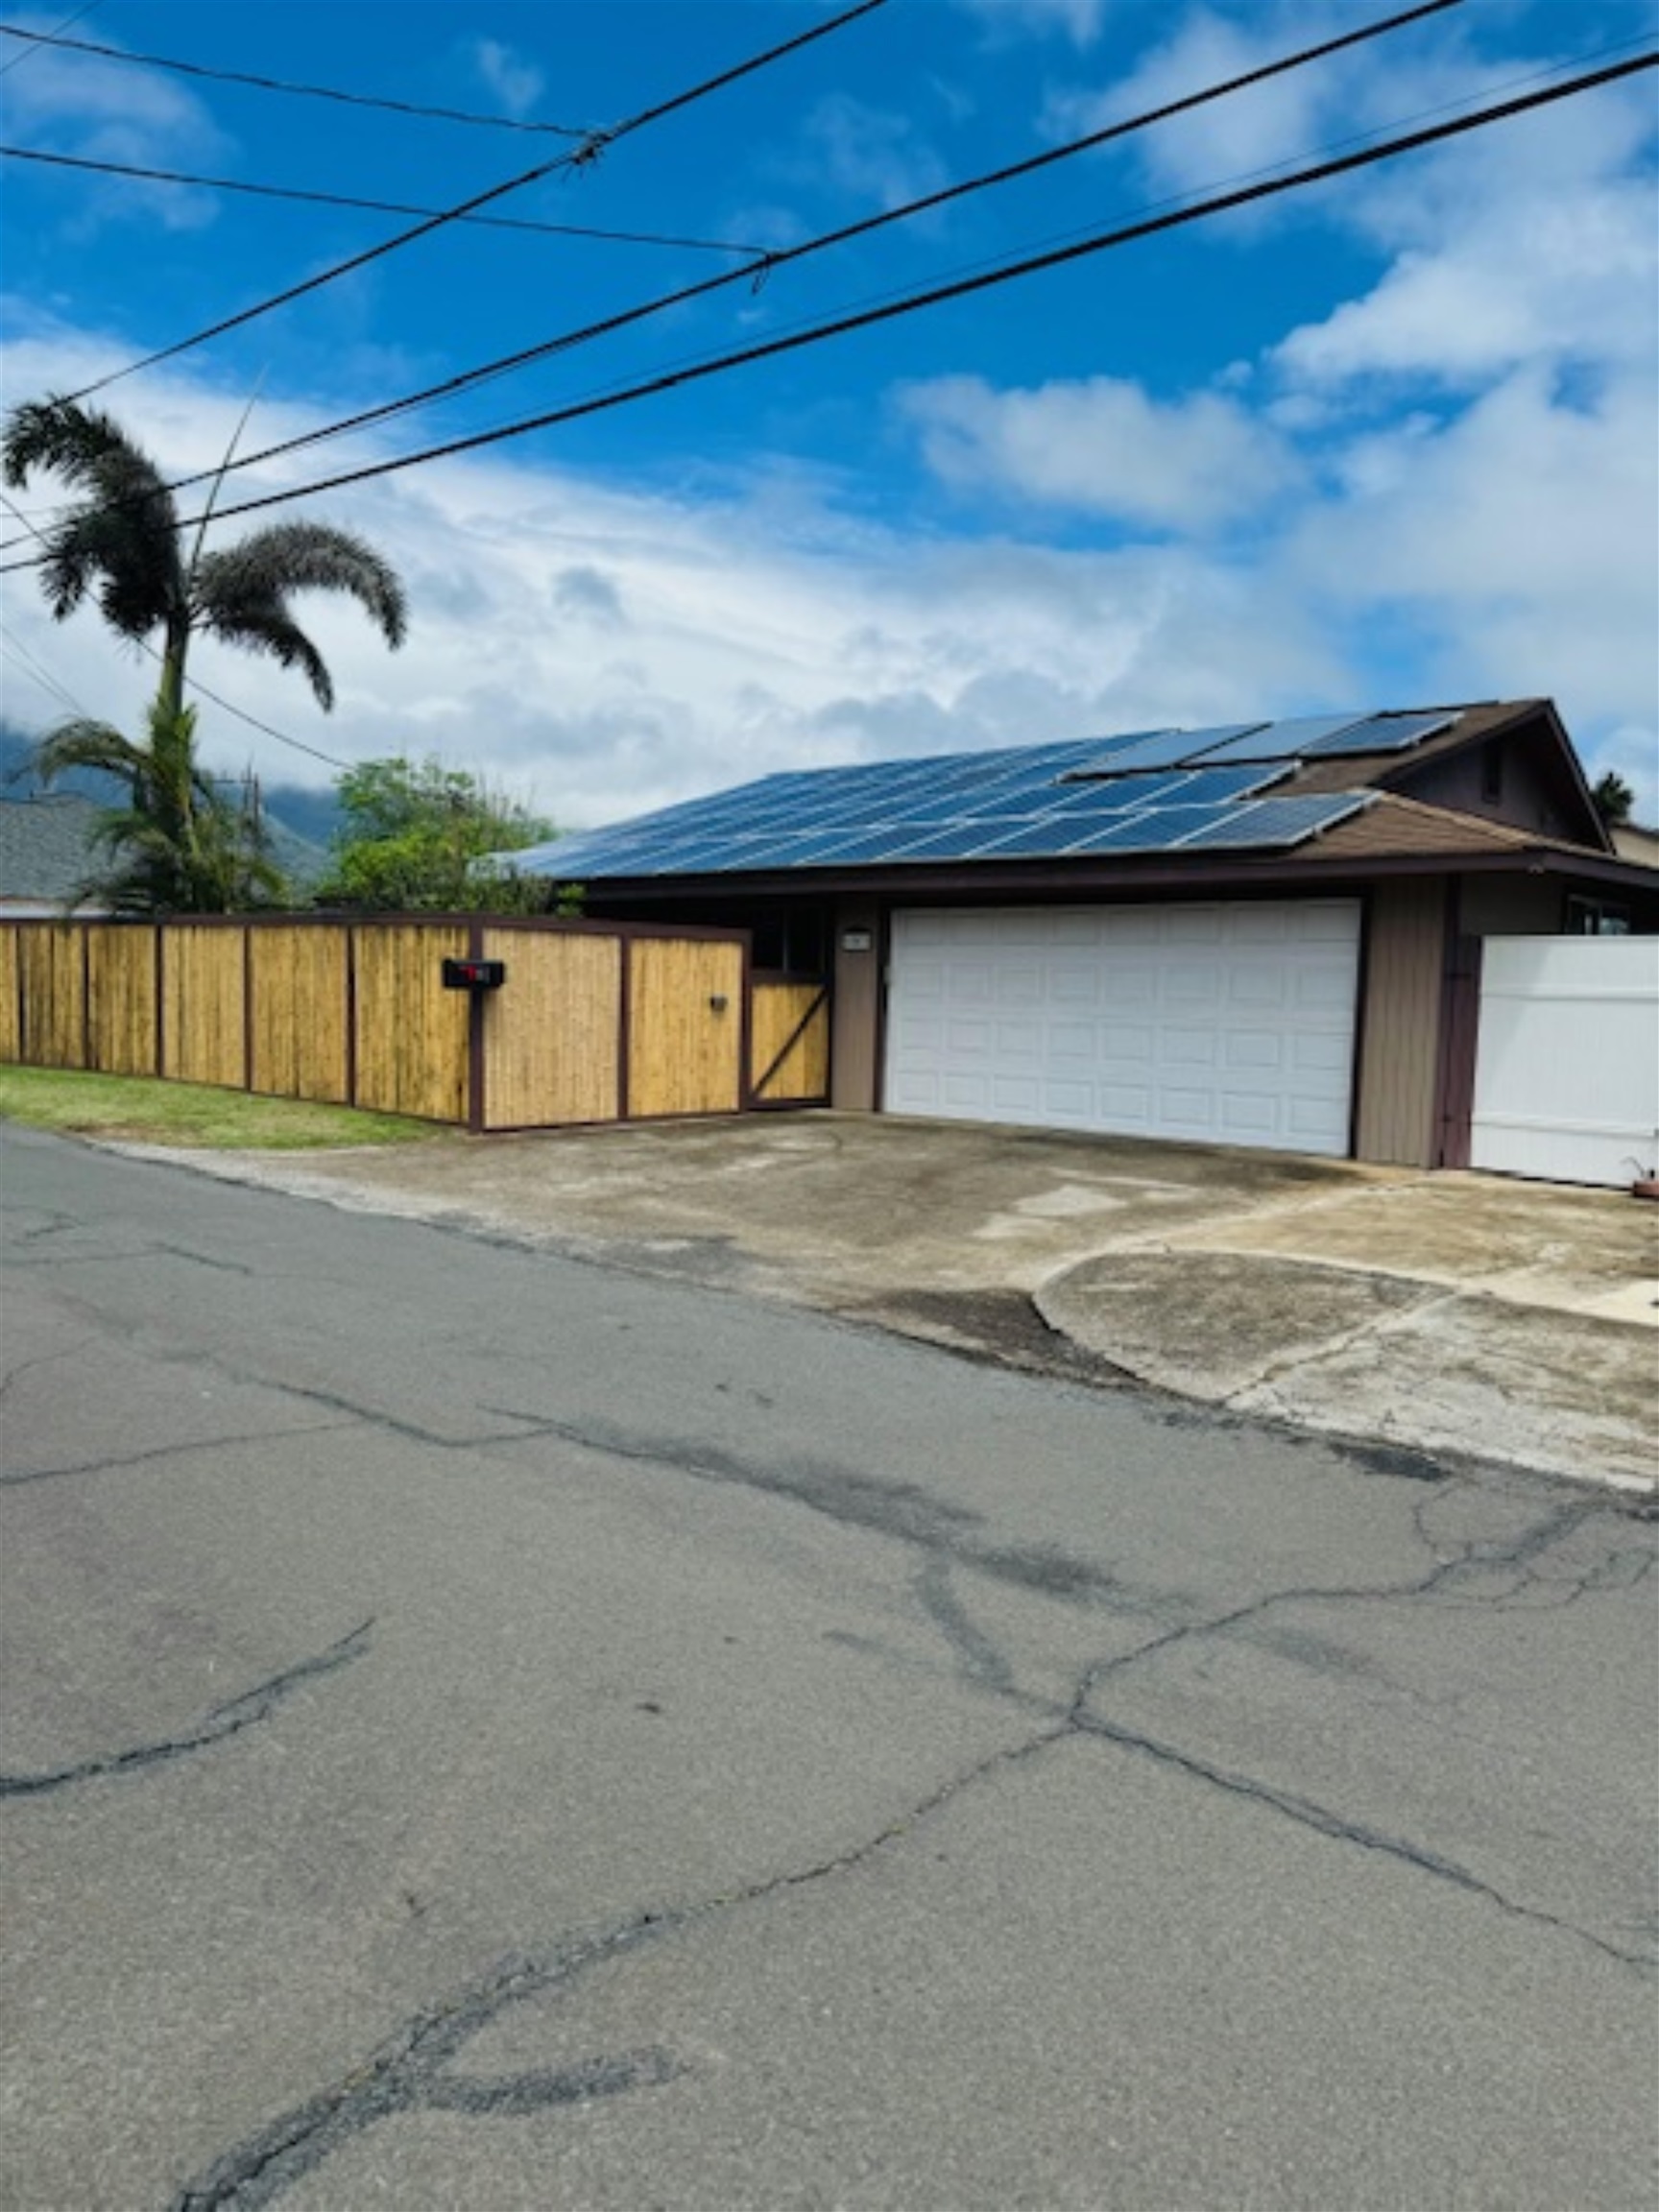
(10,1032)
(54,995)
(684,1026)
(121,999)
(551,1032)
(301,1045)
(411,1032)
(789,1042)
(203,989)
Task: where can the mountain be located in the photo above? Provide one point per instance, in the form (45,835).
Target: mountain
(301,820)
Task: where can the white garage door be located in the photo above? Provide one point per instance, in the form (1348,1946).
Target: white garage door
(1226,1023)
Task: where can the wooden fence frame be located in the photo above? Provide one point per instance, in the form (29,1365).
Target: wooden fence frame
(806,1042)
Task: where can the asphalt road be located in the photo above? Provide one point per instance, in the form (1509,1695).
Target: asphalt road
(488,1729)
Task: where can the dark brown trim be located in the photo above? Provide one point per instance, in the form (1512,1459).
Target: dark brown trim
(1459,1038)
(745,1023)
(350,934)
(475,1035)
(86,998)
(1362,1007)
(757,1091)
(22,1007)
(625,1029)
(248,1011)
(161,998)
(1040,886)
(883,985)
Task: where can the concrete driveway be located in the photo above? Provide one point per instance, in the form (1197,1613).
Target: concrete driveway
(1443,1315)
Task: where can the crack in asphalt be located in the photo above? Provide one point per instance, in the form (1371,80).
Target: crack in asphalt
(223,1722)
(979,1657)
(404,2072)
(14,1375)
(1307,1813)
(26,1475)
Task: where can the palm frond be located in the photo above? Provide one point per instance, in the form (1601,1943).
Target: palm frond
(270,565)
(124,534)
(273,631)
(84,742)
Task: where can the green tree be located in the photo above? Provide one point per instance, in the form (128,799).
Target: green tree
(420,837)
(178,842)
(179,845)
(1614,799)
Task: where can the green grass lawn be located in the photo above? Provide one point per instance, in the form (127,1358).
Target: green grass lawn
(135,1110)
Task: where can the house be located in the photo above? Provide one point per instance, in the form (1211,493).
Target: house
(46,853)
(1263,934)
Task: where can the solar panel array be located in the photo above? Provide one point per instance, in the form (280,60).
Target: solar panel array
(1150,791)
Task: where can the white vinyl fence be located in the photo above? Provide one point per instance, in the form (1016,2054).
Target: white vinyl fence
(1567,1069)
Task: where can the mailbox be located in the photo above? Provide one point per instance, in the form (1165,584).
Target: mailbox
(475,974)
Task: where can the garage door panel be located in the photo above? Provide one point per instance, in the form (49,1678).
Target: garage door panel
(1217,1021)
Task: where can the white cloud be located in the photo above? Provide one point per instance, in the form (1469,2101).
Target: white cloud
(106,110)
(1518,538)
(1551,261)
(516,82)
(606,650)
(1103,447)
(868,154)
(1078,20)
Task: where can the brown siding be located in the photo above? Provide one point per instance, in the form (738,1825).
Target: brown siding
(203,990)
(854,1057)
(10,1033)
(299,1046)
(550,1031)
(685,1052)
(54,995)
(1400,1040)
(803,1073)
(121,999)
(411,1032)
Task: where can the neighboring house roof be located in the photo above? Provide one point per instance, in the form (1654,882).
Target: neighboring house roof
(1311,788)
(1632,842)
(45,850)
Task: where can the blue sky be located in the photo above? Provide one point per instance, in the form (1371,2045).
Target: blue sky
(1385,442)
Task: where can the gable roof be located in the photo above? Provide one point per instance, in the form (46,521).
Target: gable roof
(1271,789)
(46,846)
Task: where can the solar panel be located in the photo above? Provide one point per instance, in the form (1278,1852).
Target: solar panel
(1381,733)
(1159,749)
(1271,824)
(1279,740)
(1052,837)
(1155,832)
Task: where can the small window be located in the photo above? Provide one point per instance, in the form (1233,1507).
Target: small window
(1596,918)
(1492,771)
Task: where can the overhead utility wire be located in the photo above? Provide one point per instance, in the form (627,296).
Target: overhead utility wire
(39,38)
(195,685)
(469,379)
(581,157)
(1219,204)
(374,206)
(7,67)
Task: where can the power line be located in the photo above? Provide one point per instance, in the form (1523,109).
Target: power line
(13,644)
(469,379)
(7,67)
(374,206)
(581,157)
(1219,204)
(39,38)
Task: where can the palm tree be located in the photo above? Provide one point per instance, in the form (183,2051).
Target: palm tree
(177,843)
